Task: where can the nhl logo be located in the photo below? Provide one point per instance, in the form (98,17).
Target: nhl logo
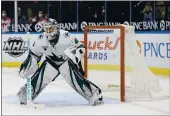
(15,47)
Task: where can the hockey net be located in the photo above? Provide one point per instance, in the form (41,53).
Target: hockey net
(113,61)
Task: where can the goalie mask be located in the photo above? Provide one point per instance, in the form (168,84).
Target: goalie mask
(52,33)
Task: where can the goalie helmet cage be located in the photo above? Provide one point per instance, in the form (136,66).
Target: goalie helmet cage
(126,33)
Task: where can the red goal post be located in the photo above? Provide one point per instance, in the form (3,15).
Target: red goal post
(122,54)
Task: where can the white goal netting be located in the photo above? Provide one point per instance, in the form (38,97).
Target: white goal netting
(104,66)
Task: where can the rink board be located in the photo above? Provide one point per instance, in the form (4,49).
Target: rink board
(157,71)
(154,46)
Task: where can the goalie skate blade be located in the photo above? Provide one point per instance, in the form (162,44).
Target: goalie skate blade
(36,106)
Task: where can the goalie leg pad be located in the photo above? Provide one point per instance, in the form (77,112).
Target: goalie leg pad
(28,67)
(83,86)
(43,76)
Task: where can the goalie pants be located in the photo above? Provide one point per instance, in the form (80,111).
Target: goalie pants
(47,73)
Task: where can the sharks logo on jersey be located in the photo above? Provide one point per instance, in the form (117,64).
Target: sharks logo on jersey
(45,47)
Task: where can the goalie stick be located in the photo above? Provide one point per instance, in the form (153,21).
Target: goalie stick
(29,86)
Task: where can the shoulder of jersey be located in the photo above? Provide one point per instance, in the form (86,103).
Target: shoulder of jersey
(41,36)
(64,33)
(41,40)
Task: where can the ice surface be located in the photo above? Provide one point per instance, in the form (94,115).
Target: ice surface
(60,99)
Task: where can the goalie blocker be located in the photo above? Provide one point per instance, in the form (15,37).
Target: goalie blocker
(71,73)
